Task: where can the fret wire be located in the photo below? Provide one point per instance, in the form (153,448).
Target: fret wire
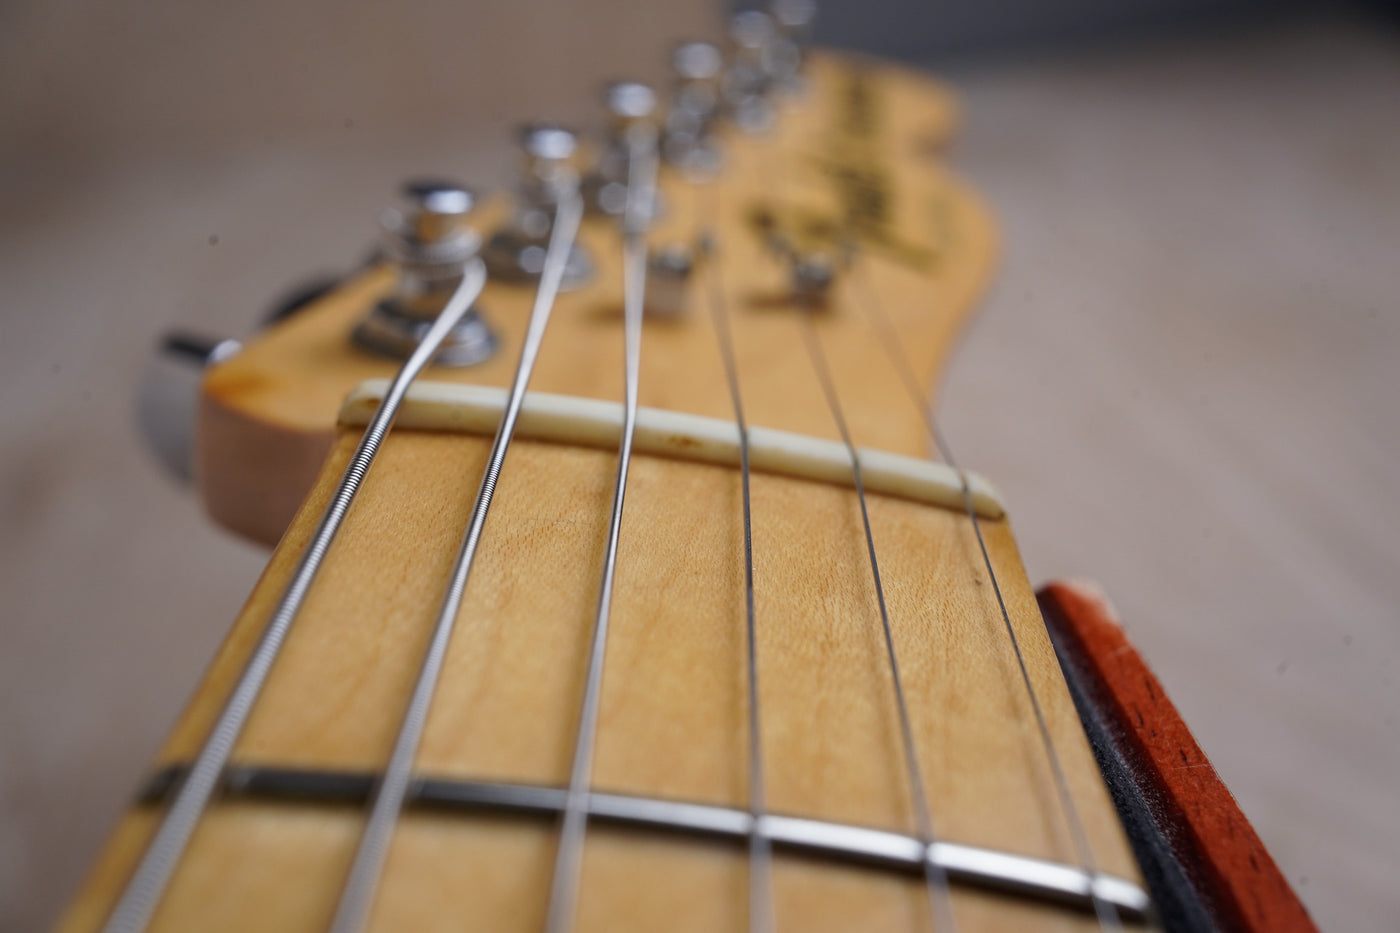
(1105,912)
(935,876)
(357,895)
(641,184)
(144,890)
(761,909)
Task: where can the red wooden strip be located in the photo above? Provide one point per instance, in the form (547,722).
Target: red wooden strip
(1239,880)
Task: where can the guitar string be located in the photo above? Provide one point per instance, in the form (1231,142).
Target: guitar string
(762,917)
(357,894)
(1106,913)
(935,876)
(641,183)
(143,891)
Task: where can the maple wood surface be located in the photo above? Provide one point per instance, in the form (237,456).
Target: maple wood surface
(268,413)
(673,715)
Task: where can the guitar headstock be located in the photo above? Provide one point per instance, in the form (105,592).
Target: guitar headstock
(822,195)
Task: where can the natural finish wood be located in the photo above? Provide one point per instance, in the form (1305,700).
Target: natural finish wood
(275,403)
(674,704)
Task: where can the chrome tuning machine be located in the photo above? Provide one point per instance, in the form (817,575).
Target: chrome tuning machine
(631,109)
(696,102)
(430,244)
(793,21)
(516,252)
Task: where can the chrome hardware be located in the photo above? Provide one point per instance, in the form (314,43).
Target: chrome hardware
(750,77)
(429,242)
(695,104)
(516,252)
(812,275)
(793,19)
(167,402)
(630,107)
(668,281)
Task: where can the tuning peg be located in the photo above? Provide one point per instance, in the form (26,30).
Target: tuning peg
(793,20)
(516,252)
(630,108)
(430,243)
(695,103)
(168,398)
(751,71)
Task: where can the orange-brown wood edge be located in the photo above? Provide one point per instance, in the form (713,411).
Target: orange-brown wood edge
(1237,880)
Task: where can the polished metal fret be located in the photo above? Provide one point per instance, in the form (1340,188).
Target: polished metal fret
(1047,882)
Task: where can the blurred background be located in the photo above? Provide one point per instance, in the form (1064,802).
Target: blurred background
(1185,381)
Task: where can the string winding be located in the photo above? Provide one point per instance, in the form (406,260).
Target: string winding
(143,892)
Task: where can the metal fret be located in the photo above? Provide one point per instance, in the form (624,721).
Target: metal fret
(641,184)
(143,892)
(1051,883)
(936,876)
(1105,910)
(357,897)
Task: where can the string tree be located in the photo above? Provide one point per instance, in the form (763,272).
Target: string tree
(549,172)
(430,244)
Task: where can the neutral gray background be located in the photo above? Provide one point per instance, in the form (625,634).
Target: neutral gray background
(1185,381)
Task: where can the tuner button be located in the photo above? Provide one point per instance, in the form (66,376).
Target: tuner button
(167,403)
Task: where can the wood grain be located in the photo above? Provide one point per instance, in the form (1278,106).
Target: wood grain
(674,705)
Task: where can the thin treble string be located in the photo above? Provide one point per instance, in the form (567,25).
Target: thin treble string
(761,910)
(641,186)
(1107,915)
(357,896)
(935,876)
(143,892)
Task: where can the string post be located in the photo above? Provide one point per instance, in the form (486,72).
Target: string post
(750,77)
(548,176)
(793,20)
(430,244)
(630,108)
(696,94)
